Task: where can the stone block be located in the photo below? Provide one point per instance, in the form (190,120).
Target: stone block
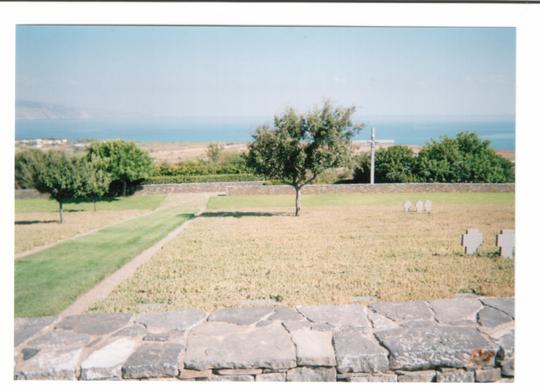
(245,371)
(28,327)
(271,377)
(233,378)
(420,348)
(390,377)
(131,331)
(59,339)
(57,364)
(311,374)
(106,362)
(95,324)
(179,320)
(491,318)
(455,375)
(313,348)
(195,374)
(505,305)
(337,315)
(454,311)
(154,360)
(286,314)
(356,352)
(507,367)
(404,311)
(380,322)
(416,376)
(215,345)
(487,374)
(241,315)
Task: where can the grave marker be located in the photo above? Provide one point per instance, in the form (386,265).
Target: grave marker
(419,206)
(506,242)
(427,206)
(407,206)
(471,241)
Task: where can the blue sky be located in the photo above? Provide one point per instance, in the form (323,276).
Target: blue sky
(258,71)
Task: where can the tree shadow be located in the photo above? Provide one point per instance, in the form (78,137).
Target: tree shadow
(32,222)
(240,214)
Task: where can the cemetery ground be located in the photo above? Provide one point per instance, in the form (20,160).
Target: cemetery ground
(36,220)
(343,246)
(48,281)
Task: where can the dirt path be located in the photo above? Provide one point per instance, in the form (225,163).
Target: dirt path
(105,287)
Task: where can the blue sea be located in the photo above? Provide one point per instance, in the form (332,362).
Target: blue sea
(413,131)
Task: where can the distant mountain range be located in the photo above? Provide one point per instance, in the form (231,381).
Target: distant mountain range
(25,109)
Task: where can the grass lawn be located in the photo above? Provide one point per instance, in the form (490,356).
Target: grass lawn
(135,202)
(47,282)
(343,245)
(36,220)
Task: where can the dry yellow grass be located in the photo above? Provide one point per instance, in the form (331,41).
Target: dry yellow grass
(328,255)
(37,229)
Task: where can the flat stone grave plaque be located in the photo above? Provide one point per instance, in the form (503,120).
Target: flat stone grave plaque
(471,241)
(407,206)
(505,241)
(419,206)
(427,206)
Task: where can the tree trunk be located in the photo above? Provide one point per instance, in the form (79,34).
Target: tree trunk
(297,201)
(61,211)
(125,188)
(94,204)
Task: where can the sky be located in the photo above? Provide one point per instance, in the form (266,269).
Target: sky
(260,71)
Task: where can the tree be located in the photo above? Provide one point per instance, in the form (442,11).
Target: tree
(214,152)
(97,181)
(27,165)
(62,177)
(300,147)
(124,161)
(466,158)
(393,165)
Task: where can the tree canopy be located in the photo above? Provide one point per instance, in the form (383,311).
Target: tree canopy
(299,147)
(125,162)
(63,177)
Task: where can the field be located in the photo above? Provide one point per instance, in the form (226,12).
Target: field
(36,220)
(48,281)
(343,245)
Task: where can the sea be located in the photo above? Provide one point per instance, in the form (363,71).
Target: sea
(405,130)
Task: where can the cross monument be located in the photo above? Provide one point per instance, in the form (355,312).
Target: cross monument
(374,142)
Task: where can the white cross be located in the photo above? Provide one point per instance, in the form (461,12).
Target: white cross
(506,243)
(407,206)
(471,240)
(373,143)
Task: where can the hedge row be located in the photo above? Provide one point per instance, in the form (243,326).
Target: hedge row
(200,178)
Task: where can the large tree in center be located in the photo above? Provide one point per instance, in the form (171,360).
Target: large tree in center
(125,162)
(298,147)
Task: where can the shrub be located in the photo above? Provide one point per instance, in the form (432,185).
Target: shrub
(392,165)
(464,159)
(200,179)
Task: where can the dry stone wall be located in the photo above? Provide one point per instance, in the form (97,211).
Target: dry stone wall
(253,188)
(466,339)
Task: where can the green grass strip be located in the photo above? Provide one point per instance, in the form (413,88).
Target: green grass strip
(48,282)
(137,202)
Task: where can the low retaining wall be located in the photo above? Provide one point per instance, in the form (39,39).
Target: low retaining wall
(30,194)
(466,339)
(249,188)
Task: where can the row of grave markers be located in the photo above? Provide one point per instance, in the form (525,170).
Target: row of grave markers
(473,239)
(421,206)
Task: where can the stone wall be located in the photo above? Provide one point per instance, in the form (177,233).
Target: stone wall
(249,188)
(466,339)
(258,188)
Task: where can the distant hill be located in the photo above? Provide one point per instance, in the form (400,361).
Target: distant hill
(25,109)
